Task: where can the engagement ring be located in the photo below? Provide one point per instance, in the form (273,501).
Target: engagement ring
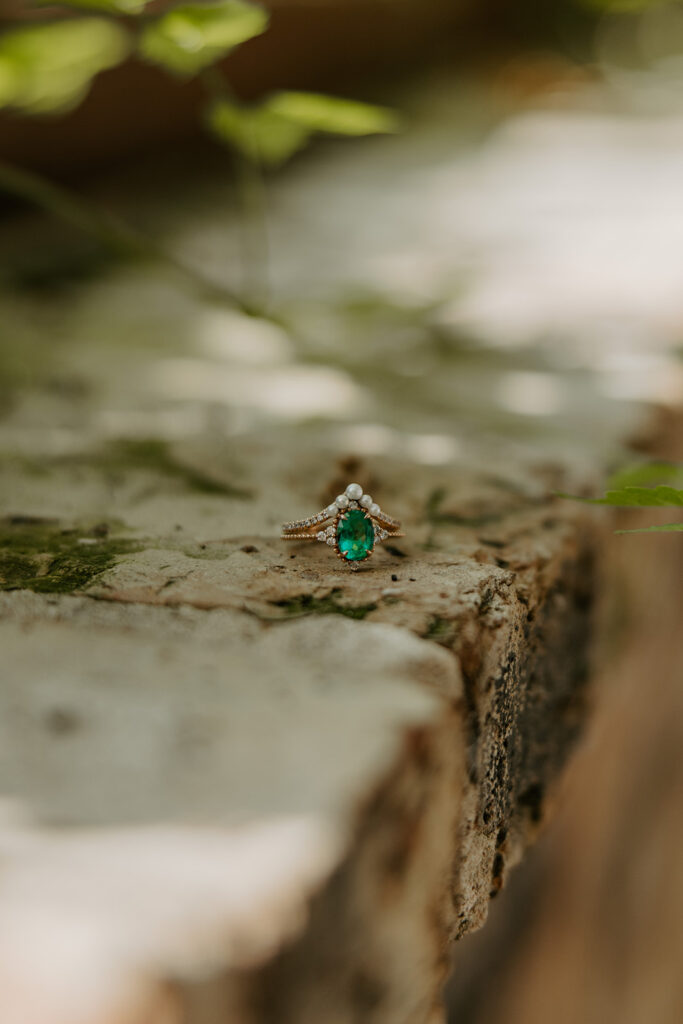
(358,524)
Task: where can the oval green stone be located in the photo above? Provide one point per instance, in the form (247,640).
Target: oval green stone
(355,535)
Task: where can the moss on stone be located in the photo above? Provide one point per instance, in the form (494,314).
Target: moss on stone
(156,455)
(307,604)
(440,630)
(42,555)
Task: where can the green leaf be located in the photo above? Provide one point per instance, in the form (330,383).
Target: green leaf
(47,68)
(663,528)
(643,497)
(625,490)
(256,132)
(645,473)
(635,497)
(272,132)
(106,6)
(192,37)
(331,114)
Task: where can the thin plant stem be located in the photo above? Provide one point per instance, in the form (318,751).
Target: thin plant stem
(114,233)
(251,195)
(255,243)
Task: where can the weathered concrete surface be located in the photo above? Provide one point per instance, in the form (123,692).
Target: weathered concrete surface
(143,722)
(254,758)
(243,685)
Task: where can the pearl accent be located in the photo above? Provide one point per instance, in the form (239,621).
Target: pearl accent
(366,501)
(354,491)
(374,509)
(331,510)
(341,501)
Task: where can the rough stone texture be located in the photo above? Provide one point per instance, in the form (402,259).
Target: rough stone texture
(121,726)
(592,928)
(230,684)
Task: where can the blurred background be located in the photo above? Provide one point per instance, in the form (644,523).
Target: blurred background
(519,227)
(494,272)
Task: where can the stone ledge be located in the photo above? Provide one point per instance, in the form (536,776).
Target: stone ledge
(231,685)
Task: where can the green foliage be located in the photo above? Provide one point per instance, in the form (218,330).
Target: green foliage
(130,7)
(258,134)
(47,68)
(662,528)
(331,114)
(273,131)
(644,473)
(642,497)
(626,489)
(190,38)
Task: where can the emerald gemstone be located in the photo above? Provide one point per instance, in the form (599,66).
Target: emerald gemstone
(355,535)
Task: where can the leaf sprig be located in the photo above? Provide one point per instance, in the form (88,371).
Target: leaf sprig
(628,488)
(47,68)
(191,37)
(276,129)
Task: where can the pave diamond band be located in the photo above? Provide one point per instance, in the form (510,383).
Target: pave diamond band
(353,524)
